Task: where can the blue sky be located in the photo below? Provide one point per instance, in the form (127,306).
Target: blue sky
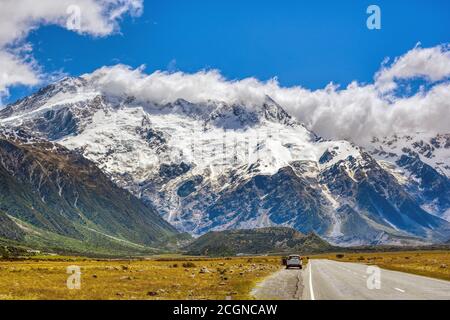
(307,43)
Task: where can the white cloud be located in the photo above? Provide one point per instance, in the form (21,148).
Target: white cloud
(357,112)
(19,17)
(433,64)
(15,71)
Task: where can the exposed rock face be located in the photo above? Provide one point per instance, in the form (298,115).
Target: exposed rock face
(422,163)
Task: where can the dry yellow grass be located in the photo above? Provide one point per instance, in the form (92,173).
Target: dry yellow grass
(142,279)
(434,264)
(167,278)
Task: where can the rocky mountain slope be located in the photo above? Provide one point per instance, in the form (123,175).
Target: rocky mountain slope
(422,162)
(219,166)
(257,241)
(9,229)
(52,197)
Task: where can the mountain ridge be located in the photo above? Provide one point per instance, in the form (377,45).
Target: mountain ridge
(195,163)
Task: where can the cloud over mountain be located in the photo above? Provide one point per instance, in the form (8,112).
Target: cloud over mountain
(356,112)
(433,64)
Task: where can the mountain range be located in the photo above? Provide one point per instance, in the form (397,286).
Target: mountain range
(209,167)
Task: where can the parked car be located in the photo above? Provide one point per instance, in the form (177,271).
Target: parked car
(294,261)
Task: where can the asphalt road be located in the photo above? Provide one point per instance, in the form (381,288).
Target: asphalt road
(332,280)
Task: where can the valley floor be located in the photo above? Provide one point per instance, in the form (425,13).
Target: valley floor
(158,278)
(181,277)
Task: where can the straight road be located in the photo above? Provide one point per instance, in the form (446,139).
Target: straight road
(333,280)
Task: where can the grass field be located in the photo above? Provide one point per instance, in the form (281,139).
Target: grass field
(434,264)
(158,278)
(180,277)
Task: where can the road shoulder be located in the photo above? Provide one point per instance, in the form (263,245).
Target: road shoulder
(281,285)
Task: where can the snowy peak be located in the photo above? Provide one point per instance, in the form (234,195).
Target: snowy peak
(432,149)
(245,116)
(68,86)
(227,116)
(79,93)
(274,112)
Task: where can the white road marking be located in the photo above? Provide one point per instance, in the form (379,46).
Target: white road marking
(311,291)
(399,290)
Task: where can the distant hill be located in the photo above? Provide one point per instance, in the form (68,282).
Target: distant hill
(257,241)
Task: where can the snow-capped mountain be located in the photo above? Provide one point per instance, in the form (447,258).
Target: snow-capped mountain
(422,163)
(215,166)
(431,149)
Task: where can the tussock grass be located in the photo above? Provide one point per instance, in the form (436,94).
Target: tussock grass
(205,278)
